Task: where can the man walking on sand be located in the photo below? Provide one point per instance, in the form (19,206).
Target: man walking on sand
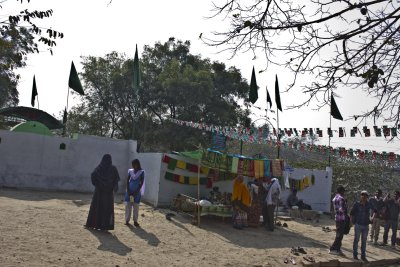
(340,205)
(393,207)
(377,204)
(360,218)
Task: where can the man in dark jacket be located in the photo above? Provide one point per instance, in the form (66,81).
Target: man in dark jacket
(393,207)
(377,204)
(360,218)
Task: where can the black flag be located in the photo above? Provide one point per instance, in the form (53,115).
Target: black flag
(65,116)
(253,95)
(277,96)
(73,82)
(335,110)
(34,92)
(269,99)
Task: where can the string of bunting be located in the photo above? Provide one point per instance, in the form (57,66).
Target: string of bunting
(261,136)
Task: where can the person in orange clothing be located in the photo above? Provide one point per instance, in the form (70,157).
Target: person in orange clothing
(241,202)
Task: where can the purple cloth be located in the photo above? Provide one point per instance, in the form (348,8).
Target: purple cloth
(339,203)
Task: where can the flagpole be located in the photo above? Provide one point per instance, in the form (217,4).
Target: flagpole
(278,132)
(66,109)
(330,127)
(38,101)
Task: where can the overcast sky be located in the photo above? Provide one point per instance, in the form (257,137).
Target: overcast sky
(95,27)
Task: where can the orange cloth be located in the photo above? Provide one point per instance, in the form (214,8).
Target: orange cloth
(241,193)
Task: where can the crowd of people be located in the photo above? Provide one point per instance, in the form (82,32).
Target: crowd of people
(375,211)
(248,207)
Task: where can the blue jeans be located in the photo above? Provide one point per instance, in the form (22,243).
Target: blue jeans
(360,230)
(390,224)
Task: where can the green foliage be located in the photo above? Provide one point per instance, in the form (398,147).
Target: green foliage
(19,36)
(175,84)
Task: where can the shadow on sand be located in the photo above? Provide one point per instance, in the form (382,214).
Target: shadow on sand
(111,243)
(151,238)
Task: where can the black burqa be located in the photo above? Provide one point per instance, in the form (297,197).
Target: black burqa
(105,179)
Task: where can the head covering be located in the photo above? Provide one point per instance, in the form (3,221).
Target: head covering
(104,175)
(364,193)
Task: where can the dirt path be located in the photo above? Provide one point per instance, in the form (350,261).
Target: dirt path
(45,229)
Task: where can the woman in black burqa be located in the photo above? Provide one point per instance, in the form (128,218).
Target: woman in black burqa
(105,179)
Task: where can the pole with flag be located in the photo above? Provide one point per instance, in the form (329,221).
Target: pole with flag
(136,88)
(269,101)
(279,107)
(335,113)
(253,96)
(34,93)
(75,84)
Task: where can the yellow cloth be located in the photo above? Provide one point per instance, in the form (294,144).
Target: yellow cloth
(204,170)
(257,169)
(181,179)
(193,180)
(261,163)
(241,193)
(181,164)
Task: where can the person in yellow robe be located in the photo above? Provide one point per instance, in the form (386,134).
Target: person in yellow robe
(241,201)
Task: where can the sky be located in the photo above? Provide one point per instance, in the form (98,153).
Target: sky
(97,27)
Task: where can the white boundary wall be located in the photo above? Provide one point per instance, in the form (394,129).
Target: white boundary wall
(36,161)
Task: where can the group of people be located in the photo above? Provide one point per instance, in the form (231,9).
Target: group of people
(249,205)
(105,179)
(377,211)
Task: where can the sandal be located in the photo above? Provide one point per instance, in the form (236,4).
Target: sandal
(286,260)
(293,261)
(295,251)
(308,258)
(301,250)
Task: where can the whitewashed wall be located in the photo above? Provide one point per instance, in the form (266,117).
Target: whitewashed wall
(35,161)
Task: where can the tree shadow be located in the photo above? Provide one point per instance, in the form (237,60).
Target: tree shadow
(151,238)
(109,242)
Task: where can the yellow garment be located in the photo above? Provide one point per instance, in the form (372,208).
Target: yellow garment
(181,164)
(261,163)
(204,170)
(193,180)
(257,173)
(181,179)
(241,193)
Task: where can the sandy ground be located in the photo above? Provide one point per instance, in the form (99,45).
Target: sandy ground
(45,229)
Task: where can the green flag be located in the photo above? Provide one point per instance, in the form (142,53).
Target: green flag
(277,96)
(34,92)
(335,110)
(65,117)
(253,95)
(136,71)
(74,83)
(269,99)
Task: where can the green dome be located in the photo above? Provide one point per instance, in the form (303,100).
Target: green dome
(32,127)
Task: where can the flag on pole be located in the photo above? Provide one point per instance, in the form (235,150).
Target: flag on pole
(269,99)
(73,82)
(253,95)
(34,92)
(335,113)
(136,71)
(277,96)
(65,116)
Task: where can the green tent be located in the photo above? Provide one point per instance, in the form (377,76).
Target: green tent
(32,127)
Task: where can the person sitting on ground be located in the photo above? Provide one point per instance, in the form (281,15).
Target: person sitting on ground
(293,200)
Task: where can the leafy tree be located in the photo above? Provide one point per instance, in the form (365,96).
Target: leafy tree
(20,36)
(175,84)
(340,43)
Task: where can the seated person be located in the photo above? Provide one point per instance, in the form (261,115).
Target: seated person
(293,200)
